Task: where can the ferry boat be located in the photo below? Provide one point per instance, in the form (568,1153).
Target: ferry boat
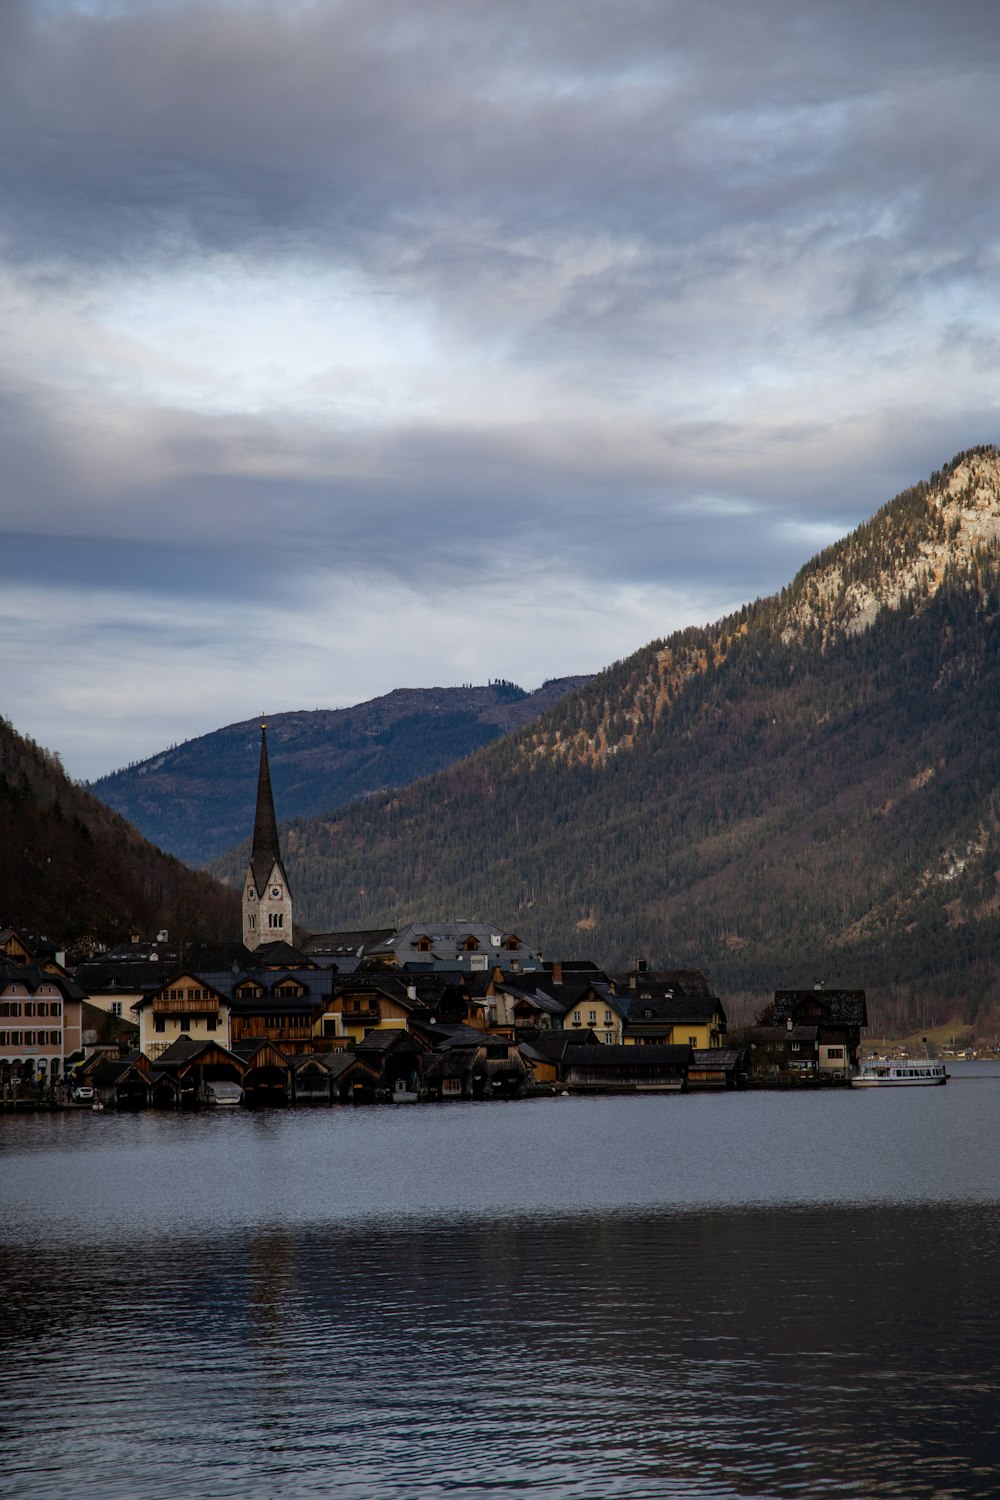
(905,1072)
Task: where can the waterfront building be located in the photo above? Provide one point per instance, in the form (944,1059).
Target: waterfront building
(187,1005)
(40,1022)
(671,1007)
(838,1015)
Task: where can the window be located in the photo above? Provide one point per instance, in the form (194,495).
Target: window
(592,1017)
(29,1008)
(212,1021)
(55,1009)
(692,1041)
(116,1007)
(833,1052)
(607,1018)
(159,1023)
(796,1046)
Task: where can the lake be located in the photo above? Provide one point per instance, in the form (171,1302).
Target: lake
(766,1294)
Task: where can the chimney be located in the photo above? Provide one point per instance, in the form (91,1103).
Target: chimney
(411,992)
(557,973)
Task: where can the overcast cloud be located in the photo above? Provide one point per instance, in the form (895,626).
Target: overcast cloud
(368,343)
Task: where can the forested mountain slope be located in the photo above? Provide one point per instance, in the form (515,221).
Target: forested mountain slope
(76,870)
(197,799)
(808,789)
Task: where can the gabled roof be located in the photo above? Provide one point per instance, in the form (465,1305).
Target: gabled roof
(33,975)
(447,941)
(835,1007)
(184,1051)
(687,984)
(715,1059)
(389,1041)
(443,1035)
(268,955)
(356,942)
(670,1012)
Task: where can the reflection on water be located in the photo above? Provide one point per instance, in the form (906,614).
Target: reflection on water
(293,1343)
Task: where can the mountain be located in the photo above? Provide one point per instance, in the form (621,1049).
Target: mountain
(197,799)
(808,789)
(74,869)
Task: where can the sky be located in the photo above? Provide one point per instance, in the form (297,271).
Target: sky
(361,344)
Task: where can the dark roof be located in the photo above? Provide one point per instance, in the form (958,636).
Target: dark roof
(674,1011)
(836,1007)
(33,975)
(444,1034)
(185,1050)
(357,942)
(688,984)
(388,1041)
(246,1051)
(279,952)
(782,1033)
(705,1059)
(554,1044)
(608,1057)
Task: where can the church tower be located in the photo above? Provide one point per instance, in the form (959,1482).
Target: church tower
(267,901)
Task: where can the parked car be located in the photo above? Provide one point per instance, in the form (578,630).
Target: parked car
(83,1094)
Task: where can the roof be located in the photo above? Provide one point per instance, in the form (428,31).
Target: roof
(688,984)
(712,1059)
(782,1034)
(356,942)
(616,1057)
(32,975)
(835,1007)
(266,955)
(447,945)
(443,1035)
(554,1044)
(388,1041)
(673,1011)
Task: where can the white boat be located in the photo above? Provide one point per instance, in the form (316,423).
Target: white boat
(223,1093)
(899,1072)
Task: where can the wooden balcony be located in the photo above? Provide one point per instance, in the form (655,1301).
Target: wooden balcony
(185,1007)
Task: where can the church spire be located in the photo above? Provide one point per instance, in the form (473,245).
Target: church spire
(267,901)
(266,850)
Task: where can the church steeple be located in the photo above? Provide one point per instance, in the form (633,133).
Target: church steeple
(267,901)
(266,850)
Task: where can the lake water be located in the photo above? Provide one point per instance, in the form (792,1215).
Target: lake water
(761,1295)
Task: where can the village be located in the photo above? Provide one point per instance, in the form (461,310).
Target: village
(430,1011)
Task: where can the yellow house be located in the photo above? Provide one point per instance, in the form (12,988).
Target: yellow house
(600,1010)
(187,1005)
(673,1008)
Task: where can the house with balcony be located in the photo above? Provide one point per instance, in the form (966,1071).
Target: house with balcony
(186,1005)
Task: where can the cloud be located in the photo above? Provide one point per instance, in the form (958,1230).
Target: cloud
(609,311)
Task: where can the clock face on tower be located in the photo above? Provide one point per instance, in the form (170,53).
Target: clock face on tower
(275,892)
(250,893)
